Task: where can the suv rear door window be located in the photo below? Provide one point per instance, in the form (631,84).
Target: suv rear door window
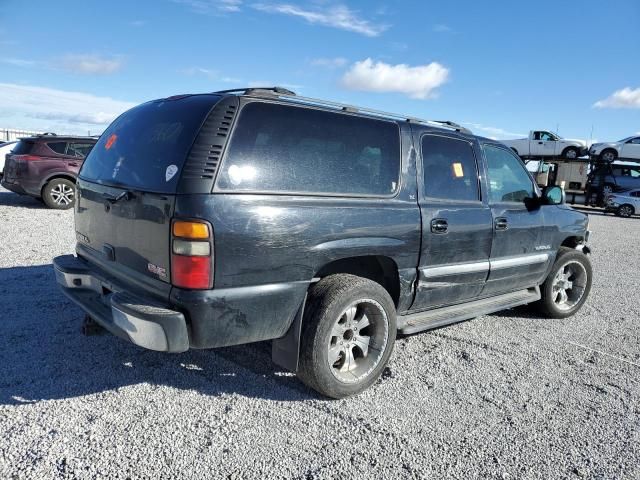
(449,168)
(146,147)
(280,148)
(79,149)
(508,178)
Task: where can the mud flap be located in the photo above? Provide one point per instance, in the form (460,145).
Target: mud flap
(285,351)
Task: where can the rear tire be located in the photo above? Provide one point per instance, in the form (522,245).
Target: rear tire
(608,155)
(568,285)
(348,334)
(625,211)
(570,153)
(59,193)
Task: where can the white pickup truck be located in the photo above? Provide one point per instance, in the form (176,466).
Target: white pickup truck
(542,143)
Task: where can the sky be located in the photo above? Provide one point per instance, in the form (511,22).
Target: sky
(501,68)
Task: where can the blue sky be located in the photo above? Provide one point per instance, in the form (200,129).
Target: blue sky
(501,68)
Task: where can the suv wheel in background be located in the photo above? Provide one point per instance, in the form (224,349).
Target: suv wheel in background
(625,210)
(348,333)
(608,155)
(567,286)
(59,193)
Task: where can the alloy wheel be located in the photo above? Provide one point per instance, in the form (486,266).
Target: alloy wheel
(62,194)
(358,341)
(569,285)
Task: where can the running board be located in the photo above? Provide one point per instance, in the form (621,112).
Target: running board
(417,322)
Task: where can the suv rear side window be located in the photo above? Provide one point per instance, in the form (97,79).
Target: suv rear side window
(279,148)
(508,178)
(449,168)
(23,147)
(146,147)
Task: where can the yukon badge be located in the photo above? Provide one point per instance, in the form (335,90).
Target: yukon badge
(543,247)
(161,272)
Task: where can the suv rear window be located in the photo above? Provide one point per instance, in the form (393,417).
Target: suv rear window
(146,147)
(279,148)
(23,147)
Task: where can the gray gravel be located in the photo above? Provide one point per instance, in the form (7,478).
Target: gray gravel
(504,396)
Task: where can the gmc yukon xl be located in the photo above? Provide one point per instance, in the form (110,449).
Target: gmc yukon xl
(241,216)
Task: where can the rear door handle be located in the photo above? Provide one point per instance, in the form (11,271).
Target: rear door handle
(439,225)
(73,164)
(501,223)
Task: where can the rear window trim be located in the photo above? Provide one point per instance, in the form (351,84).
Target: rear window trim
(297,193)
(147,190)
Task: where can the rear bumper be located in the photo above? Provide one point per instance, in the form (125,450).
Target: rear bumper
(141,321)
(13,187)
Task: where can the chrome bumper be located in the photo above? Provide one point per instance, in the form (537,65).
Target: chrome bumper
(141,321)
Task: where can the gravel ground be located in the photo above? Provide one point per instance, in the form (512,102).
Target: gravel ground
(504,396)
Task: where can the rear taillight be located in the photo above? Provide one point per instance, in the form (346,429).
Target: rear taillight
(191,254)
(27,158)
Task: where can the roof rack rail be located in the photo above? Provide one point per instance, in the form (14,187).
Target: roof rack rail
(291,96)
(47,134)
(258,90)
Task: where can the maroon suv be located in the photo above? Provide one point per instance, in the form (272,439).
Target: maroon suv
(46,167)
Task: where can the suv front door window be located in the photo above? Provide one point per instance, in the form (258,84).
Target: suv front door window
(519,253)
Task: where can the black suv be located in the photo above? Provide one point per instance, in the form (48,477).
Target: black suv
(240,216)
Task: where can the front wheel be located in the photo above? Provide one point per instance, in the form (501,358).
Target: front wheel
(348,333)
(59,193)
(625,211)
(567,287)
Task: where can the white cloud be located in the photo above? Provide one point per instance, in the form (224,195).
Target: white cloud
(416,82)
(42,108)
(442,28)
(91,64)
(138,23)
(200,71)
(212,7)
(492,132)
(19,62)
(336,62)
(337,16)
(625,98)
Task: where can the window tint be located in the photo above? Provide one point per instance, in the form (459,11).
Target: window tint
(449,168)
(79,149)
(147,146)
(508,178)
(58,147)
(294,149)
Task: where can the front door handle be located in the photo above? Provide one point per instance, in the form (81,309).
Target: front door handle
(501,223)
(439,225)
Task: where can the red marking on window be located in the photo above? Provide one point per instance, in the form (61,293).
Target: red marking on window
(112,139)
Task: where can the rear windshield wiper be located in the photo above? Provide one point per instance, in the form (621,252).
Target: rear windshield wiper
(127,195)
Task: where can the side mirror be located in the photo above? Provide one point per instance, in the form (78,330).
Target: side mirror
(553,195)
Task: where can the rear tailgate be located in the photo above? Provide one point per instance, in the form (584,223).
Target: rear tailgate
(127,188)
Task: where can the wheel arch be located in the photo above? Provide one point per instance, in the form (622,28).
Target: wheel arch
(378,268)
(53,176)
